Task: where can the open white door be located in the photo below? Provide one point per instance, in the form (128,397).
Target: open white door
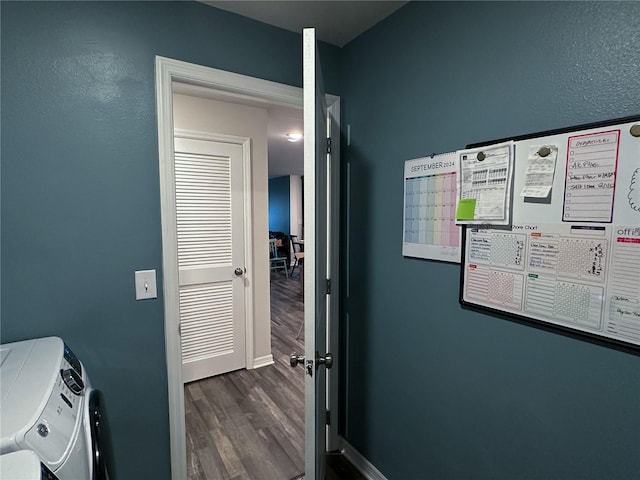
(315,267)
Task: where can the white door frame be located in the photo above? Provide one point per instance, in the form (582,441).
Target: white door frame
(230,87)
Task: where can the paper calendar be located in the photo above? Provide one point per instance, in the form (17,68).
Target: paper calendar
(429,227)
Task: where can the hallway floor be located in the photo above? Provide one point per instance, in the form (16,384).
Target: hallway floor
(249,424)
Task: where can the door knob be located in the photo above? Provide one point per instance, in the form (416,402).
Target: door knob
(295,360)
(327,360)
(238,271)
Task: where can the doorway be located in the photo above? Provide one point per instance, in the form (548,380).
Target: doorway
(233,88)
(239,423)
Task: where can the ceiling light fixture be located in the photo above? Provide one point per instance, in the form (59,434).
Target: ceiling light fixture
(294,137)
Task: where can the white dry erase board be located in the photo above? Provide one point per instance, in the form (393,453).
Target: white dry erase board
(571,256)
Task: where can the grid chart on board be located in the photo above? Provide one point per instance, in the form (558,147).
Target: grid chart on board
(430,210)
(495,287)
(582,258)
(507,250)
(578,304)
(565,301)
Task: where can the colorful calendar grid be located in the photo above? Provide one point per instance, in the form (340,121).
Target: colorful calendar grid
(430,193)
(430,210)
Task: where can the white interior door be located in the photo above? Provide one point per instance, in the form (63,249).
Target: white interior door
(209,197)
(316,254)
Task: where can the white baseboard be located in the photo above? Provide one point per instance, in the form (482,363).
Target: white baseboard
(355,457)
(263,361)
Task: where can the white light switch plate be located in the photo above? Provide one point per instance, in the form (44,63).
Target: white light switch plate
(146,284)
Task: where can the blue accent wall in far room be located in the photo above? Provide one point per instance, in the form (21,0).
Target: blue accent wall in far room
(279,204)
(80,185)
(432,390)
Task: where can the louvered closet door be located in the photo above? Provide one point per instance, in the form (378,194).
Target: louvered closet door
(210,223)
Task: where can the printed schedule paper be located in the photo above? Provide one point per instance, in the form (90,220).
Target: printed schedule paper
(484,184)
(429,227)
(571,259)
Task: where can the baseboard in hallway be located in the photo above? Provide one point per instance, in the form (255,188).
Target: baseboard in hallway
(338,467)
(364,466)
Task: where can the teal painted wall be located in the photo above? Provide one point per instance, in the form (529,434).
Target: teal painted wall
(279,204)
(79,194)
(434,391)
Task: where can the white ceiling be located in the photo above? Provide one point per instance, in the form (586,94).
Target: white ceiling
(336,22)
(285,157)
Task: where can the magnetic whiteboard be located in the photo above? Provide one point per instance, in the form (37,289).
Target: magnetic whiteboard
(570,258)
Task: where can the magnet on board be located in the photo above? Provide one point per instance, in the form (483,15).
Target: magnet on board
(544,151)
(481,156)
(635,130)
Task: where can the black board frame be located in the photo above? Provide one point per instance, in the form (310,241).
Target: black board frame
(578,334)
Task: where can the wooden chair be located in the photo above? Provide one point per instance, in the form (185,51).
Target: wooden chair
(276,262)
(298,252)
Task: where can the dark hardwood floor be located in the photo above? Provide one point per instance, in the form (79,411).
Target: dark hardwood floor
(249,424)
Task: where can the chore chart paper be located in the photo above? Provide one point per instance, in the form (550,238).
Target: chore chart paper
(572,258)
(429,228)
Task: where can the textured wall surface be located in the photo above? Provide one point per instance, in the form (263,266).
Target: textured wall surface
(80,195)
(434,391)
(279,204)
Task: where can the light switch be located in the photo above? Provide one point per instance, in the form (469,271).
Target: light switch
(146,284)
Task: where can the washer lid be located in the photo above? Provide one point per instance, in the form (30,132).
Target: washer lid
(28,373)
(20,465)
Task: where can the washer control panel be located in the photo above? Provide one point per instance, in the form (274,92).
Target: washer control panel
(52,433)
(72,380)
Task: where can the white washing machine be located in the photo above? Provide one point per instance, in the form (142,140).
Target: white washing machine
(48,406)
(24,465)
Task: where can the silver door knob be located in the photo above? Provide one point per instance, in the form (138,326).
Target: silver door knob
(238,271)
(327,360)
(295,360)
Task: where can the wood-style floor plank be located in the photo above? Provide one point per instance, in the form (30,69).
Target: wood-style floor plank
(249,424)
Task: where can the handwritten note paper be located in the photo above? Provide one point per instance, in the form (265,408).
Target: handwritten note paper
(592,161)
(541,167)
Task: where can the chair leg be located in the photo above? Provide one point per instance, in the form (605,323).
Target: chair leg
(300,329)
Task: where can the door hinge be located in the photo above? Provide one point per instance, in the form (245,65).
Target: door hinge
(328,145)
(179,329)
(327,289)
(328,418)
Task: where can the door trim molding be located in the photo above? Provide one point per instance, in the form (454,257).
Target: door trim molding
(230,87)
(245,143)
